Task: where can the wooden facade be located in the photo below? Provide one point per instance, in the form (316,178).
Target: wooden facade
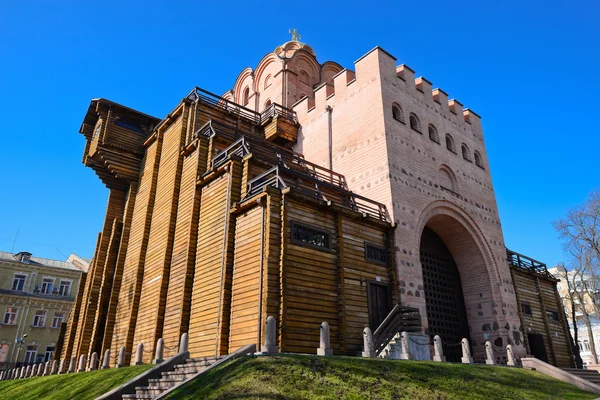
(544,325)
(212,226)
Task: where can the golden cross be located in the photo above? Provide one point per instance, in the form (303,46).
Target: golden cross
(295,35)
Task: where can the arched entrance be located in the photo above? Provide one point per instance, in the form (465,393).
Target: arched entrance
(458,269)
(444,300)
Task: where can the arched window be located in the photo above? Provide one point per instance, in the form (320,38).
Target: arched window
(246,97)
(478,159)
(465,152)
(397,112)
(450,143)
(268,81)
(267,103)
(579,345)
(415,124)
(586,345)
(446,178)
(433,134)
(304,77)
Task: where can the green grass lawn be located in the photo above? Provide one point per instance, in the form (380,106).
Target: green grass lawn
(311,377)
(84,385)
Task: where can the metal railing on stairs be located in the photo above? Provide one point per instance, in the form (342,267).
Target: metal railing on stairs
(401,318)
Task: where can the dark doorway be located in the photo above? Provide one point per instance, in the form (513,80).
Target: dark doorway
(380,303)
(444,300)
(537,346)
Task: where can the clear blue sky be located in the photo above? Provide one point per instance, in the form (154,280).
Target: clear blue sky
(530,69)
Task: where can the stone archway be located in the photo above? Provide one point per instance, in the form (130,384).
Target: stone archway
(477,275)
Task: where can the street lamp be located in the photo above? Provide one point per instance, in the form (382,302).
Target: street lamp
(20,344)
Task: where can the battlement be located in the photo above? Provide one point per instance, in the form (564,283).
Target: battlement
(381,64)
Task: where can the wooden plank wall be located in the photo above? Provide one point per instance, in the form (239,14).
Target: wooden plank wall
(115,207)
(246,278)
(181,275)
(126,312)
(559,336)
(72,323)
(149,324)
(211,296)
(119,267)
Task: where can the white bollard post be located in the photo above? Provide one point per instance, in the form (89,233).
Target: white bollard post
(139,354)
(46,369)
(325,342)
(368,344)
(510,356)
(121,358)
(183,343)
(466,352)
(405,340)
(158,354)
(270,346)
(82,362)
(28,371)
(106,361)
(93,362)
(23,373)
(41,368)
(71,365)
(61,368)
(489,353)
(438,349)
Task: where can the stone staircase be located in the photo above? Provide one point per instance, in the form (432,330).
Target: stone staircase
(589,375)
(176,376)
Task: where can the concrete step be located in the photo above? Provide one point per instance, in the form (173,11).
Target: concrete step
(581,371)
(140,396)
(164,382)
(179,374)
(154,390)
(189,368)
(197,364)
(198,359)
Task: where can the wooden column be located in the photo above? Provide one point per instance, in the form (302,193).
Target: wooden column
(341,286)
(545,317)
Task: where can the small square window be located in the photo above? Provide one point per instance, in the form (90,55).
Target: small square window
(526,308)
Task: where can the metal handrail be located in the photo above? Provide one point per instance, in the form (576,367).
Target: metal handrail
(401,318)
(198,94)
(277,110)
(522,261)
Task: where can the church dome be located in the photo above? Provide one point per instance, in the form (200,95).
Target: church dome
(290,48)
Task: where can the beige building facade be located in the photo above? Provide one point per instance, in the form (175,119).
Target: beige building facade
(36,296)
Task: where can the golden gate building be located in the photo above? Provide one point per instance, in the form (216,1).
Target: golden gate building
(312,193)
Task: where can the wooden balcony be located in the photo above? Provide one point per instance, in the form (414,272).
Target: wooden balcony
(280,125)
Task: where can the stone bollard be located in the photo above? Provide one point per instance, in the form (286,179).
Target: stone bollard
(158,354)
(368,344)
(28,371)
(42,368)
(405,340)
(466,352)
(510,356)
(489,353)
(46,369)
(61,368)
(183,343)
(23,372)
(71,365)
(121,358)
(2,375)
(93,362)
(438,349)
(270,346)
(33,371)
(82,362)
(139,354)
(325,345)
(106,361)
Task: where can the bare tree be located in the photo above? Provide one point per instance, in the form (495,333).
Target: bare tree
(581,232)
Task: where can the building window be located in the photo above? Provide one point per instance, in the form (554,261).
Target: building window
(47,284)
(376,254)
(579,345)
(48,354)
(268,81)
(3,352)
(127,124)
(10,316)
(246,97)
(397,112)
(39,320)
(97,130)
(65,288)
(30,354)
(415,124)
(465,152)
(553,315)
(267,103)
(478,160)
(304,77)
(586,345)
(433,135)
(58,319)
(450,143)
(18,282)
(526,308)
(310,236)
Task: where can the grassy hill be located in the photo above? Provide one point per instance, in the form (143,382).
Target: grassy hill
(80,386)
(310,377)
